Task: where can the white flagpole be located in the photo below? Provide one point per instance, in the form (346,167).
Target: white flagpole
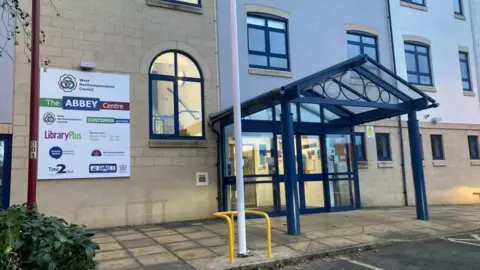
(237,124)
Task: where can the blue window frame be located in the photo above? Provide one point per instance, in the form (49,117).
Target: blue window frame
(362,43)
(5,169)
(267,42)
(465,71)
(360,147)
(437,147)
(195,3)
(458,7)
(473,147)
(176,97)
(415,2)
(383,147)
(418,63)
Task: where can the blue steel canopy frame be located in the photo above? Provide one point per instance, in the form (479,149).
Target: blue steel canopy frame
(358,91)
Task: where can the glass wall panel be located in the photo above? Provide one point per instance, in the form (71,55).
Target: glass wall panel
(257,196)
(257,153)
(337,147)
(314,196)
(340,194)
(280,154)
(311,155)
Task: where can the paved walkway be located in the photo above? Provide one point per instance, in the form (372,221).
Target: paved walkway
(203,245)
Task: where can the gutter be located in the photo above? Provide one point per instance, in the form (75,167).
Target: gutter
(402,150)
(212,125)
(476,38)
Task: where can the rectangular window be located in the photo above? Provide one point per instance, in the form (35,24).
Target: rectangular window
(360,147)
(437,147)
(473,147)
(196,3)
(383,147)
(416,2)
(458,7)
(418,64)
(421,145)
(267,42)
(465,71)
(362,43)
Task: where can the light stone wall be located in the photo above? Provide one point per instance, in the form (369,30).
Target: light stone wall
(123,36)
(452,181)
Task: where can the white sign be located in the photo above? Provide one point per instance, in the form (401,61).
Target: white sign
(370,133)
(84,125)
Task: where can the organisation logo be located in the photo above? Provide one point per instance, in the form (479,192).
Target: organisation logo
(59,169)
(49,118)
(71,135)
(102,168)
(96,153)
(107,120)
(67,83)
(123,168)
(57,152)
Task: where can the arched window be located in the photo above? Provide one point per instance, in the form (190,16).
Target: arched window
(176,97)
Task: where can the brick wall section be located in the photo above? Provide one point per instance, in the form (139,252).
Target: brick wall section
(119,36)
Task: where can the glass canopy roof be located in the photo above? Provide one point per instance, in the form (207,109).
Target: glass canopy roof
(356,91)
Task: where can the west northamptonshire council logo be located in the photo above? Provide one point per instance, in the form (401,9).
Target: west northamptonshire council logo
(49,118)
(67,83)
(96,153)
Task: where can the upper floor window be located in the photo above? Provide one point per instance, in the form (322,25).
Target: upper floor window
(362,43)
(383,147)
(458,7)
(473,147)
(418,63)
(465,71)
(176,97)
(267,42)
(360,146)
(416,2)
(437,147)
(196,3)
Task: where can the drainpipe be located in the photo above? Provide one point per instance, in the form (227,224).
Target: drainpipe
(476,38)
(219,168)
(402,151)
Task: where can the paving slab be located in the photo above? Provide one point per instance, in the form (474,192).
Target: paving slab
(109,255)
(109,246)
(154,259)
(120,264)
(337,242)
(192,254)
(127,237)
(147,250)
(170,239)
(200,235)
(182,245)
(138,243)
(161,233)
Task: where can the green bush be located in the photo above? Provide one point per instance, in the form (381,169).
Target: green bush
(30,240)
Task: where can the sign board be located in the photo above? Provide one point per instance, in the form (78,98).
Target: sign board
(370,133)
(84,129)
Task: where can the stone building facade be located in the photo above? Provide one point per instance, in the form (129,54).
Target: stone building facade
(124,37)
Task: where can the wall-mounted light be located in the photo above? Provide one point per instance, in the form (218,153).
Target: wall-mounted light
(87,65)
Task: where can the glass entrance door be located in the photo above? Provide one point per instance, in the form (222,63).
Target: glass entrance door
(5,158)
(340,172)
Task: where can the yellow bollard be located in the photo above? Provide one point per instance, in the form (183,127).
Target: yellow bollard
(230,218)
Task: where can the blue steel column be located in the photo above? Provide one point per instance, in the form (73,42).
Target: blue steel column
(358,201)
(417,166)
(291,192)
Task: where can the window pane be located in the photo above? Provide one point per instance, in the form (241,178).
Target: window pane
(256,40)
(311,155)
(383,146)
(423,64)
(360,147)
(352,37)
(278,112)
(162,107)
(463,56)
(456,6)
(417,1)
(412,78)
(278,62)
(464,70)
(256,21)
(437,147)
(466,85)
(261,115)
(425,80)
(473,147)
(341,191)
(276,24)
(411,62)
(195,2)
(409,47)
(353,50)
(368,40)
(277,43)
(422,49)
(164,64)
(372,52)
(190,109)
(310,113)
(257,60)
(314,197)
(186,67)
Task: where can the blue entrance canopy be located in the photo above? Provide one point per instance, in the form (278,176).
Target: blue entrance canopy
(356,91)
